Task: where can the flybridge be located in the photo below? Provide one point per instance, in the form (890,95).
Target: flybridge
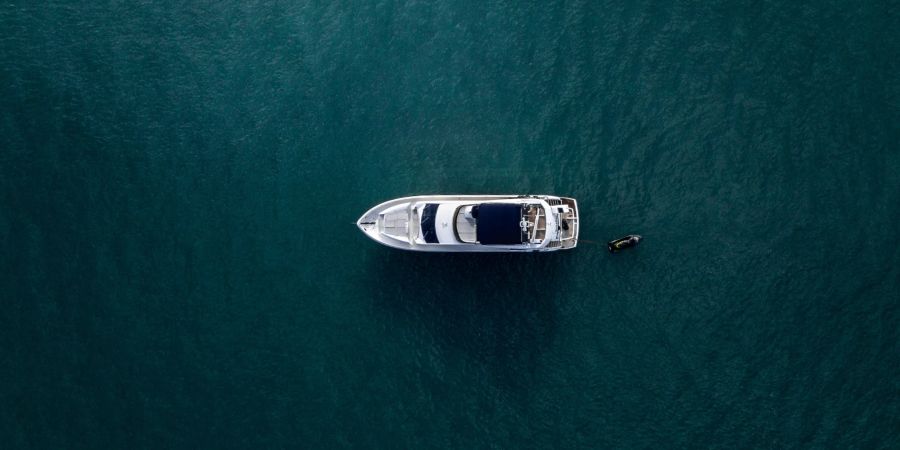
(474,223)
(500,224)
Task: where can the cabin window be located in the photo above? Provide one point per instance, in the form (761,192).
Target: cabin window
(429,215)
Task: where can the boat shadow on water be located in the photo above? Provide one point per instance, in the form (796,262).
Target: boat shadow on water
(498,309)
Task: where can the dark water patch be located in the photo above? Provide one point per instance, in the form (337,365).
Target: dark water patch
(179,267)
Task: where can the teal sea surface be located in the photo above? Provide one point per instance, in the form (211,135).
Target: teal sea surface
(179,265)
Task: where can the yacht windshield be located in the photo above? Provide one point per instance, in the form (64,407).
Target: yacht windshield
(428,219)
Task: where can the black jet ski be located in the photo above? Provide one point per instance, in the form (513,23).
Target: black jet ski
(622,243)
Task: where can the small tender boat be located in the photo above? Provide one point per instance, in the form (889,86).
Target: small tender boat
(474,223)
(622,243)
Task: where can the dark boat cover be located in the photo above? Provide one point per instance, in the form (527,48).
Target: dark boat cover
(428,218)
(498,224)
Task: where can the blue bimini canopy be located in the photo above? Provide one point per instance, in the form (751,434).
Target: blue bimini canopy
(498,224)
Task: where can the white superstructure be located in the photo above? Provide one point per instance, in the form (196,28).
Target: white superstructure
(474,223)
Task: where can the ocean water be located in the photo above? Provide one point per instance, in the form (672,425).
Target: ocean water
(179,266)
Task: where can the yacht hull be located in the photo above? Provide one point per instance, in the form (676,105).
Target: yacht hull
(410,223)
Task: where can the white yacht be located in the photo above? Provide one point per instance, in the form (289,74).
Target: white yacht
(474,223)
